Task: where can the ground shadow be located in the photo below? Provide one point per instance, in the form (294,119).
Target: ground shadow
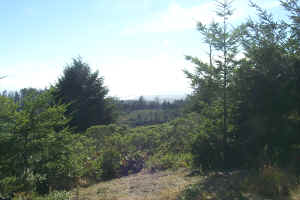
(222,186)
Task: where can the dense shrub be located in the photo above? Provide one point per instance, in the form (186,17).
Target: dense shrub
(55,195)
(110,164)
(101,134)
(207,152)
(40,151)
(169,161)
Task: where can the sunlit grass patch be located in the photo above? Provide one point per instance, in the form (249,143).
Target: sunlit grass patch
(162,185)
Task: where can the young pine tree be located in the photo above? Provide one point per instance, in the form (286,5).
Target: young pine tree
(211,80)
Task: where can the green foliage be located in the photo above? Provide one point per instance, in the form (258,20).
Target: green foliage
(110,164)
(158,147)
(211,80)
(192,192)
(85,93)
(265,92)
(182,133)
(212,99)
(249,108)
(207,152)
(211,149)
(101,134)
(146,117)
(161,161)
(55,195)
(142,113)
(38,150)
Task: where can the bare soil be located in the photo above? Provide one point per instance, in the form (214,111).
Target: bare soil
(144,185)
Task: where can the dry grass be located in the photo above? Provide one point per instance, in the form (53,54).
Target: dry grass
(164,185)
(295,194)
(169,185)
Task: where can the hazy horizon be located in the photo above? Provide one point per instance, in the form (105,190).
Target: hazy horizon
(137,46)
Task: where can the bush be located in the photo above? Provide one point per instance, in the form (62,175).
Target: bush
(55,195)
(93,170)
(52,157)
(191,192)
(110,164)
(169,161)
(100,133)
(132,163)
(207,152)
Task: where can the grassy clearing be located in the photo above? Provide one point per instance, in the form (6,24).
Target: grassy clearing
(177,185)
(163,185)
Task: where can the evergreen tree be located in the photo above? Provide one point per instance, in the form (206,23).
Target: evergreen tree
(211,80)
(37,148)
(212,83)
(86,95)
(266,90)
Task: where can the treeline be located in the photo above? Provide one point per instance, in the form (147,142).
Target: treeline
(142,104)
(141,112)
(19,96)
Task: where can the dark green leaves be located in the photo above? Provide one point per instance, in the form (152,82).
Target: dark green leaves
(85,93)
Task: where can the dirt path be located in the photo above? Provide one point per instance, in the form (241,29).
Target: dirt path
(144,185)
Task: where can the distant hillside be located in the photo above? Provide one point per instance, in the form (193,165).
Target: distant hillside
(162,97)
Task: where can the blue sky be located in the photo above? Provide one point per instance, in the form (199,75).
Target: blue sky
(137,45)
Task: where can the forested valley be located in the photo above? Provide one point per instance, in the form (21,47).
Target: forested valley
(242,120)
